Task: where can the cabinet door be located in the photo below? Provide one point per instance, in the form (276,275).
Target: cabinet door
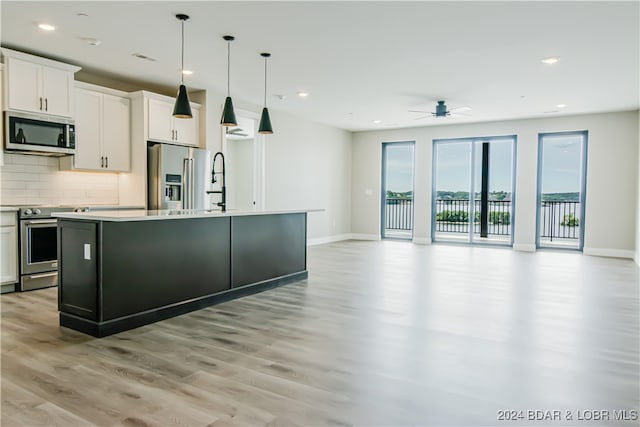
(160,120)
(57,91)
(187,129)
(116,146)
(9,251)
(88,130)
(24,92)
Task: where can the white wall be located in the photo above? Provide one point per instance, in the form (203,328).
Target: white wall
(26,180)
(637,255)
(308,165)
(612,166)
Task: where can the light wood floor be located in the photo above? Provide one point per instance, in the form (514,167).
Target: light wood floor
(382,333)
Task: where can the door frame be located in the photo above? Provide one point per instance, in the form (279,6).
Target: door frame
(583,185)
(258,157)
(473,140)
(383,185)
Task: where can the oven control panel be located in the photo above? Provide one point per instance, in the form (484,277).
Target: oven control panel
(46,211)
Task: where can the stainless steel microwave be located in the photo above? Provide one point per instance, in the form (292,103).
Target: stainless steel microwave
(37,134)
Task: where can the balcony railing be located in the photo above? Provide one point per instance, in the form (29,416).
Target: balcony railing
(560,220)
(452,216)
(399,214)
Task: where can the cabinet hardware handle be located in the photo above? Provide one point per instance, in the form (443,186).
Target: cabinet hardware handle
(101,161)
(106,162)
(40,103)
(46,104)
(176,134)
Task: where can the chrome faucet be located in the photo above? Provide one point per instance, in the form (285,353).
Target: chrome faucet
(214,179)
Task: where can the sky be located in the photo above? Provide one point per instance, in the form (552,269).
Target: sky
(561,160)
(399,176)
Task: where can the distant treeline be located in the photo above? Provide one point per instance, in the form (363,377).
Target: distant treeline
(504,195)
(464,195)
(561,197)
(494,195)
(399,195)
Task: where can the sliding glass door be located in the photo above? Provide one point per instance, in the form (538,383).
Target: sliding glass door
(562,159)
(473,190)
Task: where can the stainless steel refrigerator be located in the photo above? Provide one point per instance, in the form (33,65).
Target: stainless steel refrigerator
(178,177)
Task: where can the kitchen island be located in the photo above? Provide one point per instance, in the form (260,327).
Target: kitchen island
(122,269)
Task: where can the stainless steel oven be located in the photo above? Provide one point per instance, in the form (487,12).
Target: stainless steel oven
(38,247)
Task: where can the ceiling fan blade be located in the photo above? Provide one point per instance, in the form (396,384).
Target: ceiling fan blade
(420,118)
(419,111)
(462,109)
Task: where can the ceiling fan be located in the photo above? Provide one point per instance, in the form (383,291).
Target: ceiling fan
(442,111)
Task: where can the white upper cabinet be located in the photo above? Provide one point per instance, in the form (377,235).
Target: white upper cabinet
(38,85)
(116,142)
(160,120)
(88,130)
(103,137)
(163,127)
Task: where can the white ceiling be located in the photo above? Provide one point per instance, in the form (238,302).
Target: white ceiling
(360,61)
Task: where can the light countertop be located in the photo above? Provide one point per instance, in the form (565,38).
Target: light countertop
(9,209)
(150,215)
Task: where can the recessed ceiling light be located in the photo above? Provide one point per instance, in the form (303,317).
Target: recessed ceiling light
(46,27)
(303,94)
(377,122)
(550,60)
(187,72)
(82,14)
(561,105)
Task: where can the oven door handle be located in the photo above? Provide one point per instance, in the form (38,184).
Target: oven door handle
(41,221)
(41,276)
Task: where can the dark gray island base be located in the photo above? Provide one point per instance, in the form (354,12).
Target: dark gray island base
(119,274)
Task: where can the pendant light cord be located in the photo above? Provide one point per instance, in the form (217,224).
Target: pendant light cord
(182,68)
(265,82)
(228,66)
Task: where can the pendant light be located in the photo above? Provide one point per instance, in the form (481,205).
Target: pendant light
(228,115)
(182,108)
(265,120)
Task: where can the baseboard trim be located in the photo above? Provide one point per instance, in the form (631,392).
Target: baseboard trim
(523,247)
(422,240)
(8,288)
(611,253)
(328,239)
(354,236)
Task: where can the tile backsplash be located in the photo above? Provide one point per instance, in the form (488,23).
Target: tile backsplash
(28,180)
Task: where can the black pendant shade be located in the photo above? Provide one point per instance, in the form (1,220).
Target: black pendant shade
(182,107)
(265,122)
(228,115)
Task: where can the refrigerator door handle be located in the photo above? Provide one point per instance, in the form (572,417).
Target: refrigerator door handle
(192,184)
(187,183)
